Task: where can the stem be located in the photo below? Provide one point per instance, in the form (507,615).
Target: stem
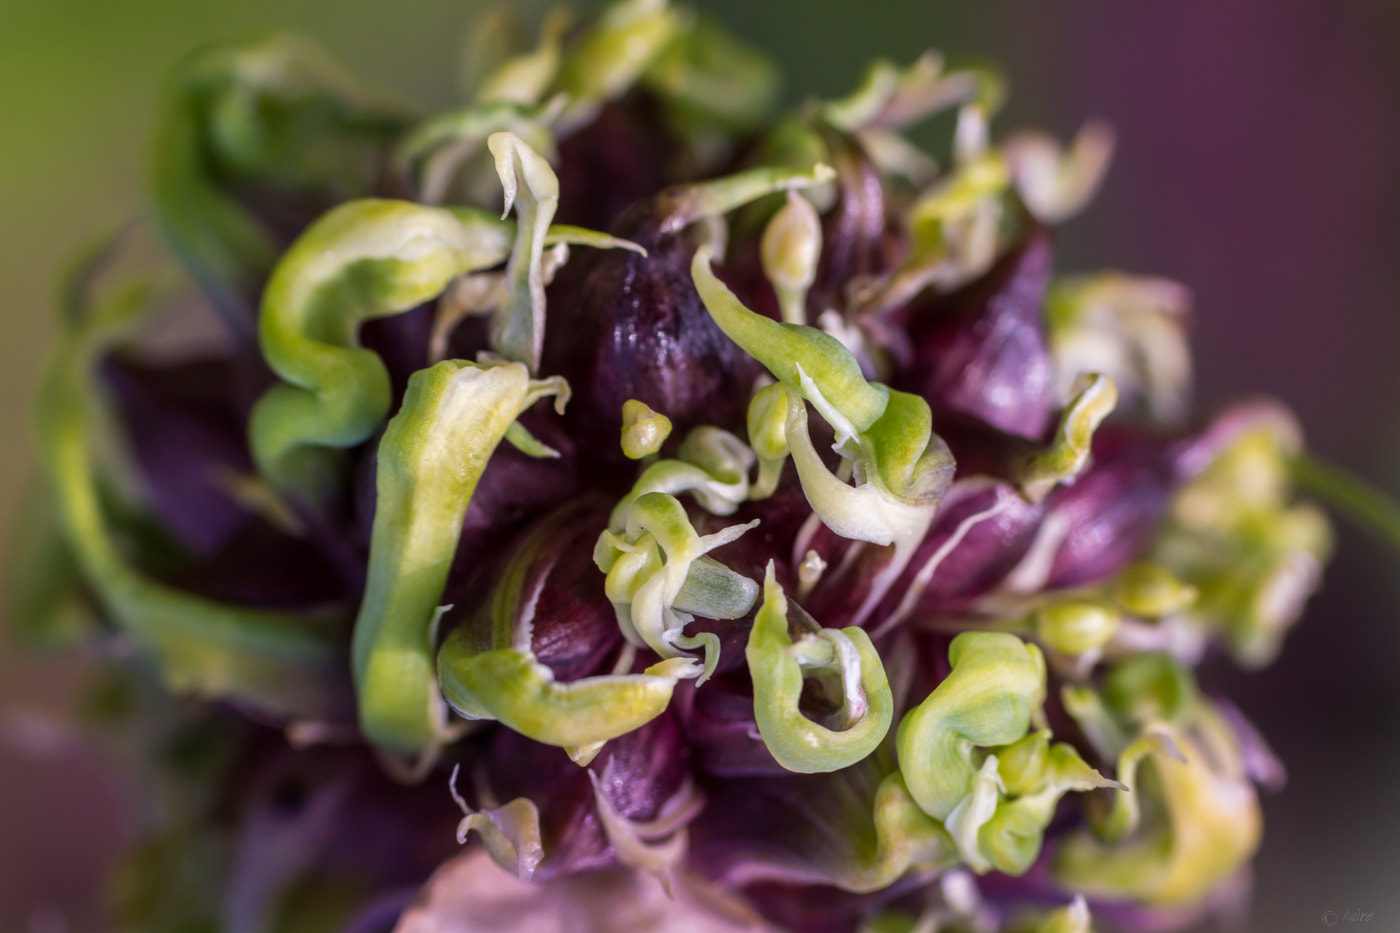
(1350,495)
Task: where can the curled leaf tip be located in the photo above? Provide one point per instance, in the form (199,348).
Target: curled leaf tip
(847,665)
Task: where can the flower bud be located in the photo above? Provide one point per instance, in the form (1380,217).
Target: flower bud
(790,249)
(643,430)
(1075,627)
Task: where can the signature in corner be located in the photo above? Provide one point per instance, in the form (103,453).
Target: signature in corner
(1331,918)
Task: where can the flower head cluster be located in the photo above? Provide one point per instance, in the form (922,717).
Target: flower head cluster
(748,524)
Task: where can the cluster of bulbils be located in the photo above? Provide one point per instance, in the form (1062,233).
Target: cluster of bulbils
(801,540)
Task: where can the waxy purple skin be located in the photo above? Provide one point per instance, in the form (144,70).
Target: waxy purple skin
(638,773)
(185,430)
(326,817)
(623,326)
(981,350)
(856,237)
(573,626)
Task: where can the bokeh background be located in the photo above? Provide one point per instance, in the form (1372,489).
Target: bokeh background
(1259,142)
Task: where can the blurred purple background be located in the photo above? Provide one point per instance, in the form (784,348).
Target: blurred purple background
(1259,142)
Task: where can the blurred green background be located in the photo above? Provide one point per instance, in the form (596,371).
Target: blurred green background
(1258,140)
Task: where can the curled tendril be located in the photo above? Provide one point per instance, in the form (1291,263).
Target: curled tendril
(1055,183)
(430,459)
(1035,774)
(996,683)
(1132,328)
(906,838)
(787,349)
(364,259)
(901,467)
(953,225)
(1069,450)
(277,662)
(511,832)
(1205,821)
(276,111)
(711,465)
(658,578)
(510,685)
(517,329)
(779,667)
(495,675)
(890,96)
(995,804)
(433,154)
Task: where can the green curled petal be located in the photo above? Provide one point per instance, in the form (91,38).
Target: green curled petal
(1123,815)
(797,742)
(872,511)
(524,78)
(622,44)
(685,204)
(911,462)
(517,328)
(710,82)
(1010,841)
(906,838)
(430,459)
(511,686)
(275,112)
(788,350)
(276,662)
(658,578)
(901,468)
(1023,765)
(866,512)
(890,96)
(510,832)
(711,465)
(973,812)
(433,155)
(1069,451)
(863,105)
(987,699)
(1204,821)
(363,260)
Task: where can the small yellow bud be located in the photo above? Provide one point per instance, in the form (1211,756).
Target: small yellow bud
(1074,628)
(643,430)
(1150,591)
